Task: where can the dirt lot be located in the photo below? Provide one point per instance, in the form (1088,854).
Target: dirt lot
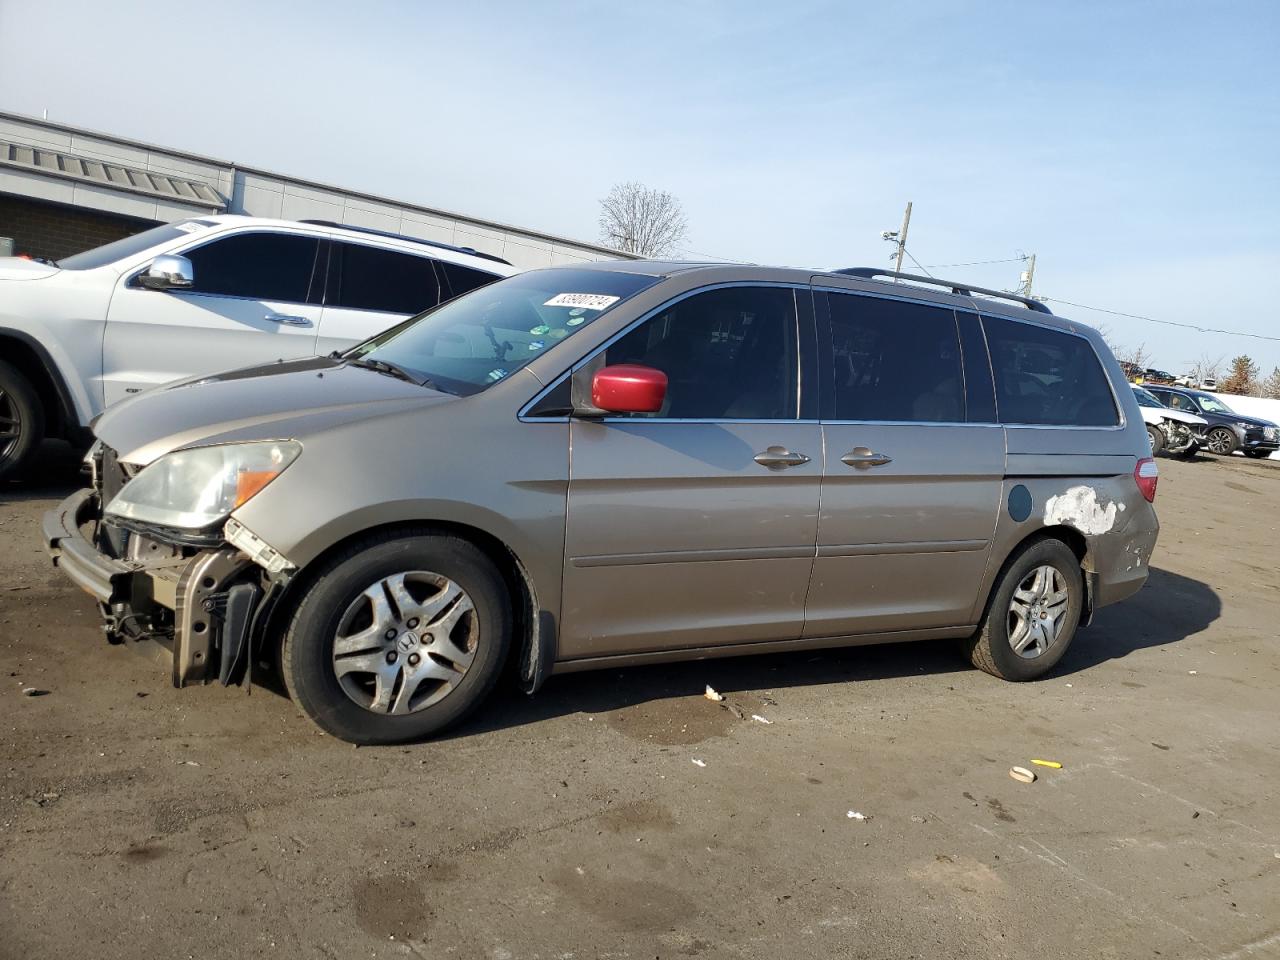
(138,820)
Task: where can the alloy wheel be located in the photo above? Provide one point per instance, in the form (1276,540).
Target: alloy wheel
(10,423)
(1221,441)
(1038,611)
(405,642)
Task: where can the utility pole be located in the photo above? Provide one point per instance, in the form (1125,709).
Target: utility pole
(902,237)
(1028,276)
(899,238)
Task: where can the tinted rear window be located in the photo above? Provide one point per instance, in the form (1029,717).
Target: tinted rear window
(370,278)
(895,361)
(462,279)
(1046,377)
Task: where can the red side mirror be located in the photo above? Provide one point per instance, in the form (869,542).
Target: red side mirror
(629,388)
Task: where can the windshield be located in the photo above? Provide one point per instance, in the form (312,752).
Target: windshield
(1212,404)
(101,256)
(476,340)
(1146,399)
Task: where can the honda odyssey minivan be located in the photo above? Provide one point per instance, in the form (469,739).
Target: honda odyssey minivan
(614,464)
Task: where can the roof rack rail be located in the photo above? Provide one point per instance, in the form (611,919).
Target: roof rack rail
(962,289)
(399,236)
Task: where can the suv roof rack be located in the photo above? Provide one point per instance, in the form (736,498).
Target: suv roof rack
(398,236)
(962,289)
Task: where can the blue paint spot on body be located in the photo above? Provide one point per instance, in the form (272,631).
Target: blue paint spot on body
(1019,503)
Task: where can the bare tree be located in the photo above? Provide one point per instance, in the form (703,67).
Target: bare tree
(639,219)
(1138,356)
(1206,367)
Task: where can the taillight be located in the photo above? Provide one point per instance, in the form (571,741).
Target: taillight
(1145,474)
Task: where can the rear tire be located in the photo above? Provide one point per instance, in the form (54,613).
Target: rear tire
(434,678)
(992,648)
(21,421)
(1222,441)
(1156,438)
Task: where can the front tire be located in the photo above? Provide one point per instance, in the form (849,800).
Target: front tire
(21,421)
(1155,436)
(1222,441)
(1032,615)
(398,638)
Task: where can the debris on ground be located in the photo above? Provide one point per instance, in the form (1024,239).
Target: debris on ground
(918,819)
(760,719)
(1051,764)
(33,692)
(855,815)
(711,694)
(699,763)
(734,710)
(1022,775)
(187,763)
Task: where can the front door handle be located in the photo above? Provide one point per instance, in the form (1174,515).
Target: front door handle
(865,457)
(776,456)
(292,320)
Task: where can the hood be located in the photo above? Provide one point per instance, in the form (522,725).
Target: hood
(1241,418)
(1179,415)
(20,268)
(286,400)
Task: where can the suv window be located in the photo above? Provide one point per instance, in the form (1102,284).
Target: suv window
(729,354)
(263,266)
(463,279)
(369,278)
(895,360)
(1047,377)
(1182,402)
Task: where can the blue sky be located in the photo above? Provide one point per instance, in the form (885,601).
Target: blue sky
(1133,146)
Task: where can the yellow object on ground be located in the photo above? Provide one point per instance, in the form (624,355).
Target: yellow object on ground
(1048,763)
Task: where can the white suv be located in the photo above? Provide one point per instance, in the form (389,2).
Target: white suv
(201,296)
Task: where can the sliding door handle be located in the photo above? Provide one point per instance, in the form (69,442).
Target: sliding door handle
(777,456)
(865,457)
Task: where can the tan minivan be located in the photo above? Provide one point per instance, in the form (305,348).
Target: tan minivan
(615,464)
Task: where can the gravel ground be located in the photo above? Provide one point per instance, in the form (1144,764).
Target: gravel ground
(139,820)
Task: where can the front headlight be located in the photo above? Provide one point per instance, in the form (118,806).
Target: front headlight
(194,489)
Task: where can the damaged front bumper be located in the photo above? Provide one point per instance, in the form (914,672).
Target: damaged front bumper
(199,610)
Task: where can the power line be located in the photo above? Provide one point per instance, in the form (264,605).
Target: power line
(1167,323)
(917,262)
(975,263)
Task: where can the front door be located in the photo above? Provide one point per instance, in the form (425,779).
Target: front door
(912,484)
(695,526)
(253,301)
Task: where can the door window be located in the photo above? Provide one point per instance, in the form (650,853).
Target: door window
(463,279)
(369,278)
(1047,377)
(729,354)
(895,361)
(260,266)
(1180,402)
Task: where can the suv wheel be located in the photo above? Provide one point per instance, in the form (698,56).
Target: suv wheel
(1032,615)
(398,638)
(1156,438)
(21,420)
(1222,441)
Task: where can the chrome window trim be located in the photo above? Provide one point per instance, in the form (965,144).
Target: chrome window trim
(226,235)
(665,305)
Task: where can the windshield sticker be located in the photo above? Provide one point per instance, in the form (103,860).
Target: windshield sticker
(574,321)
(539,330)
(189,227)
(588,301)
(559,334)
(498,374)
(536,345)
(577,312)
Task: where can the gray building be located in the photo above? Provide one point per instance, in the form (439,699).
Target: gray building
(64,189)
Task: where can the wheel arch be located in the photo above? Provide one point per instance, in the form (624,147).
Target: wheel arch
(30,358)
(535,628)
(1074,540)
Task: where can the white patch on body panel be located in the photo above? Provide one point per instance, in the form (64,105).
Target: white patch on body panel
(1079,507)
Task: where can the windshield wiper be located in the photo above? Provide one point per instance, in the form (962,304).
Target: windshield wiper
(390,369)
(382,366)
